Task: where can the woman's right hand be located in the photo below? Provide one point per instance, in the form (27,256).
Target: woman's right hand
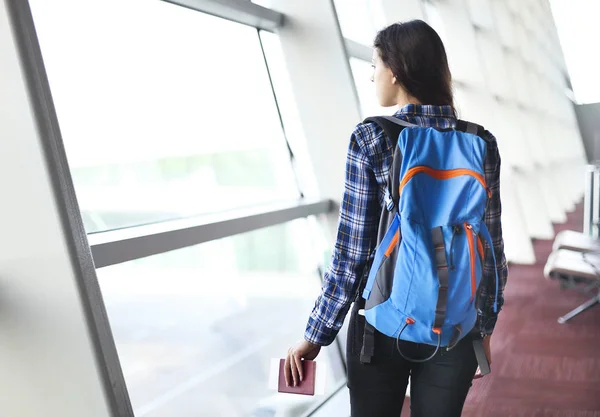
(293,368)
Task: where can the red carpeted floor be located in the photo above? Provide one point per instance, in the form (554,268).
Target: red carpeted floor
(540,368)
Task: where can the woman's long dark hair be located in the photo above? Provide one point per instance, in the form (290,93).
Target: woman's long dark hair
(416,55)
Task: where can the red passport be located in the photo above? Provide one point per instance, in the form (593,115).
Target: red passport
(306,387)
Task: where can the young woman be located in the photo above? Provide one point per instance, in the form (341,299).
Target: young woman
(411,72)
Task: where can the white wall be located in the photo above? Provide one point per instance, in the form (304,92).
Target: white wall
(46,354)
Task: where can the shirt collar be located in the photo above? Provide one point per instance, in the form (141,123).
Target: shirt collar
(426,110)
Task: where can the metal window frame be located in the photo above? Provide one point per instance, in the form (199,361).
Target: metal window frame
(358,50)
(46,120)
(240,11)
(118,246)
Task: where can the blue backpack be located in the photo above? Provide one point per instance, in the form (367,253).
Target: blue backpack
(423,283)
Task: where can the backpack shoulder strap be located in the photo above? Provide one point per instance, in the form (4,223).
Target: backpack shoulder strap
(392,126)
(468,127)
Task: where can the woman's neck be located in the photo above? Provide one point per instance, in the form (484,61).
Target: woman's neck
(403,99)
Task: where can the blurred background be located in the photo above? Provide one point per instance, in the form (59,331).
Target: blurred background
(206,141)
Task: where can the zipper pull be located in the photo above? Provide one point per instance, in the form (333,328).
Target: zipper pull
(456,229)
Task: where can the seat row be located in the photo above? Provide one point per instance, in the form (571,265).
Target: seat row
(575,263)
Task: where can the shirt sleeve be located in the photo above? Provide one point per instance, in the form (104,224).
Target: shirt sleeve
(356,236)
(493,222)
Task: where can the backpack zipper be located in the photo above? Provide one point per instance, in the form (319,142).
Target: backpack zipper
(455,231)
(440,174)
(471,241)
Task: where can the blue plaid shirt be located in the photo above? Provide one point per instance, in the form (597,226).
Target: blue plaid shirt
(370,155)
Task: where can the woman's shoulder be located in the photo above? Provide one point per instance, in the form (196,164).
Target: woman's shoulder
(483,133)
(368,135)
(490,139)
(367,131)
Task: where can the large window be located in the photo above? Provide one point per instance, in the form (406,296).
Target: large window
(575,21)
(165,112)
(196,328)
(360,19)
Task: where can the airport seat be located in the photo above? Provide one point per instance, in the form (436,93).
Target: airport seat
(575,241)
(579,270)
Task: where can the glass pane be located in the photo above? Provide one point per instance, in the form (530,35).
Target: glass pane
(165,112)
(362,73)
(290,116)
(196,328)
(360,19)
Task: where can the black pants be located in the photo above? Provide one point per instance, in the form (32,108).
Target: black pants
(438,388)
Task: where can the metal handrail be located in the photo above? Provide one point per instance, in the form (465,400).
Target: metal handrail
(122,245)
(591,205)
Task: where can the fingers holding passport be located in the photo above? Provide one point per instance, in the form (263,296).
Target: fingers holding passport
(293,367)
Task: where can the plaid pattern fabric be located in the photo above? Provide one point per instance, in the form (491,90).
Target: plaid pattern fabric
(370,155)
